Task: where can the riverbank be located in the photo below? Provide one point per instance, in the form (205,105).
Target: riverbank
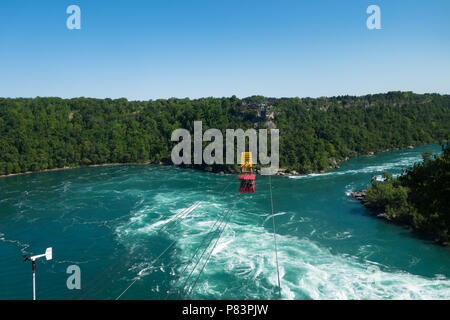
(394,219)
(76,167)
(281,172)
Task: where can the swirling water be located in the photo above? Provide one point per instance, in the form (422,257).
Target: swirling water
(329,245)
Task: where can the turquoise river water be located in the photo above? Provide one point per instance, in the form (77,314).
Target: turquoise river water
(124,217)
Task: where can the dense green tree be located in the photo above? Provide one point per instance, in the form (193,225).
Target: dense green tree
(419,197)
(44,133)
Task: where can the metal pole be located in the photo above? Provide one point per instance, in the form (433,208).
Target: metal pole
(33,267)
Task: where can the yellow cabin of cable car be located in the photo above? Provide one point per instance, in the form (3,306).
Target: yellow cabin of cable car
(246,162)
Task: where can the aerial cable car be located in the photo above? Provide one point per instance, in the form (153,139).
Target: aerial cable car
(247,176)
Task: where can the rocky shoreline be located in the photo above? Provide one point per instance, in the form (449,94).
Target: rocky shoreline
(361,197)
(335,165)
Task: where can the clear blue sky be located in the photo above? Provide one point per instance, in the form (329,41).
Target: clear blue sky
(195,48)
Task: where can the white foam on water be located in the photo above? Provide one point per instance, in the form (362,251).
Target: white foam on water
(155,215)
(243,265)
(269,216)
(311,175)
(178,214)
(336,236)
(22,246)
(306,270)
(402,163)
(349,189)
(161,210)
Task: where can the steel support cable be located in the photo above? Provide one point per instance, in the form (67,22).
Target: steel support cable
(275,237)
(160,254)
(140,255)
(201,256)
(210,231)
(153,262)
(140,246)
(207,259)
(134,250)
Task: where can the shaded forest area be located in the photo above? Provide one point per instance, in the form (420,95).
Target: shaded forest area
(420,197)
(315,133)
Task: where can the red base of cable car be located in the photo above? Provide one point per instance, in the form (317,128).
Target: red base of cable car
(247,183)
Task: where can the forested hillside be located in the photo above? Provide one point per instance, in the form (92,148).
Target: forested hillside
(315,134)
(420,197)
